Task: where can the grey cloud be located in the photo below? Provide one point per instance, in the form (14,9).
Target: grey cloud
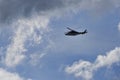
(10,9)
(14,8)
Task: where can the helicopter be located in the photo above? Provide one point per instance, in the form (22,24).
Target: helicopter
(74,33)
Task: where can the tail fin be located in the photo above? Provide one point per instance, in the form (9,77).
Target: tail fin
(85,31)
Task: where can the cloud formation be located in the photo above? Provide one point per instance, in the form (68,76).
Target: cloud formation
(5,75)
(86,69)
(25,31)
(27,16)
(11,9)
(15,8)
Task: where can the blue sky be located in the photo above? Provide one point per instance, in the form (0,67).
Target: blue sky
(33,45)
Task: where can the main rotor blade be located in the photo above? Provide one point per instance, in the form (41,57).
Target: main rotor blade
(69,28)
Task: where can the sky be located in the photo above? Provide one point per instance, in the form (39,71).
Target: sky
(33,45)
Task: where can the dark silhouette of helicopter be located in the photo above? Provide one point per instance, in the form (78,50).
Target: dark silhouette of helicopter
(74,33)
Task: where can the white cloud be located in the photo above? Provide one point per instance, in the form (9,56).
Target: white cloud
(5,75)
(80,69)
(25,30)
(34,58)
(119,26)
(85,69)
